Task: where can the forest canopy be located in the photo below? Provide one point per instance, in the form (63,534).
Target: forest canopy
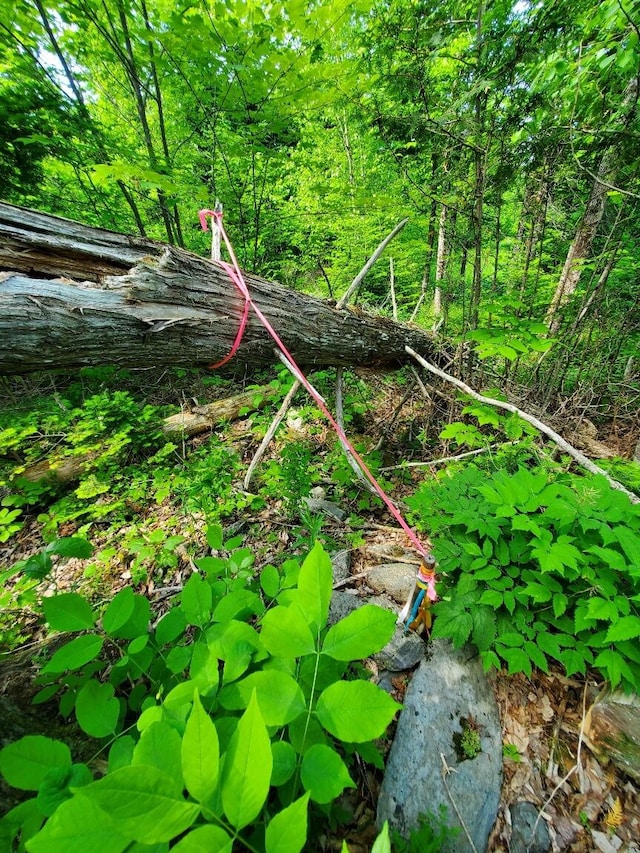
(506,132)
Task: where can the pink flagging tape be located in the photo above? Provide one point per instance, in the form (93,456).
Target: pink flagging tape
(240,283)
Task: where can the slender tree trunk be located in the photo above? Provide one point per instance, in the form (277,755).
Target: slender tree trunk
(441,265)
(480,177)
(580,248)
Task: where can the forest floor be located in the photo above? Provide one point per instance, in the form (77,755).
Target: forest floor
(585,805)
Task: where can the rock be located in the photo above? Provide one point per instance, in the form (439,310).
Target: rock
(341,565)
(523,837)
(612,731)
(403,651)
(606,843)
(396,579)
(342,604)
(320,505)
(446,689)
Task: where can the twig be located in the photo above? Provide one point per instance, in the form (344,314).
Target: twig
(562,443)
(275,423)
(355,284)
(445,772)
(446,459)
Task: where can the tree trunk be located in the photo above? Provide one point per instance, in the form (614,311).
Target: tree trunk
(580,248)
(75,296)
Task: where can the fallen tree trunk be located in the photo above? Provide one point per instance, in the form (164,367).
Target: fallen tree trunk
(74,296)
(179,426)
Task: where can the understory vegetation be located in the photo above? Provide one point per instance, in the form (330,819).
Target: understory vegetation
(174,616)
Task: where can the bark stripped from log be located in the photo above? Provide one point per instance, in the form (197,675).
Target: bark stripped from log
(70,299)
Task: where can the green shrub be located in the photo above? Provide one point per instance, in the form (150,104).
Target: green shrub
(223,720)
(536,565)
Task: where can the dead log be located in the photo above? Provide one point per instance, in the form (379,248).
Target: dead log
(181,425)
(74,296)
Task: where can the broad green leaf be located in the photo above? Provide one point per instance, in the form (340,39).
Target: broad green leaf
(80,825)
(196,600)
(314,586)
(119,611)
(55,789)
(573,661)
(71,546)
(517,659)
(270,581)
(142,802)
(160,746)
(284,762)
(171,626)
(452,622)
(240,603)
(24,819)
(601,608)
(537,656)
(279,696)
(355,711)
(360,634)
(25,762)
(214,537)
(178,659)
(287,830)
(204,668)
(324,774)
(121,752)
(626,628)
(484,627)
(75,654)
(137,622)
(212,839)
(306,732)
(614,666)
(97,709)
(200,753)
(68,611)
(382,844)
(285,633)
(247,768)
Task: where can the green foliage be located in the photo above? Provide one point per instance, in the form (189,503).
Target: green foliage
(537,566)
(225,716)
(429,836)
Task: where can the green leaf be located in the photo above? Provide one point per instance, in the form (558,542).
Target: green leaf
(324,774)
(68,611)
(279,696)
(212,839)
(285,632)
(284,762)
(626,628)
(171,626)
(360,634)
(196,600)
(75,654)
(355,711)
(25,763)
(452,622)
(77,826)
(204,668)
(614,666)
(119,611)
(484,627)
(601,608)
(573,661)
(536,656)
(247,768)
(55,789)
(200,753)
(314,586)
(287,831)
(97,709)
(239,603)
(382,844)
(142,802)
(517,659)
(71,546)
(270,581)
(214,537)
(160,746)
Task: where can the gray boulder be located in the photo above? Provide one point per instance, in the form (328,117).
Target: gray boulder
(448,693)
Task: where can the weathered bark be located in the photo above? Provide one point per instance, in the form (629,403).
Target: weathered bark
(135,302)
